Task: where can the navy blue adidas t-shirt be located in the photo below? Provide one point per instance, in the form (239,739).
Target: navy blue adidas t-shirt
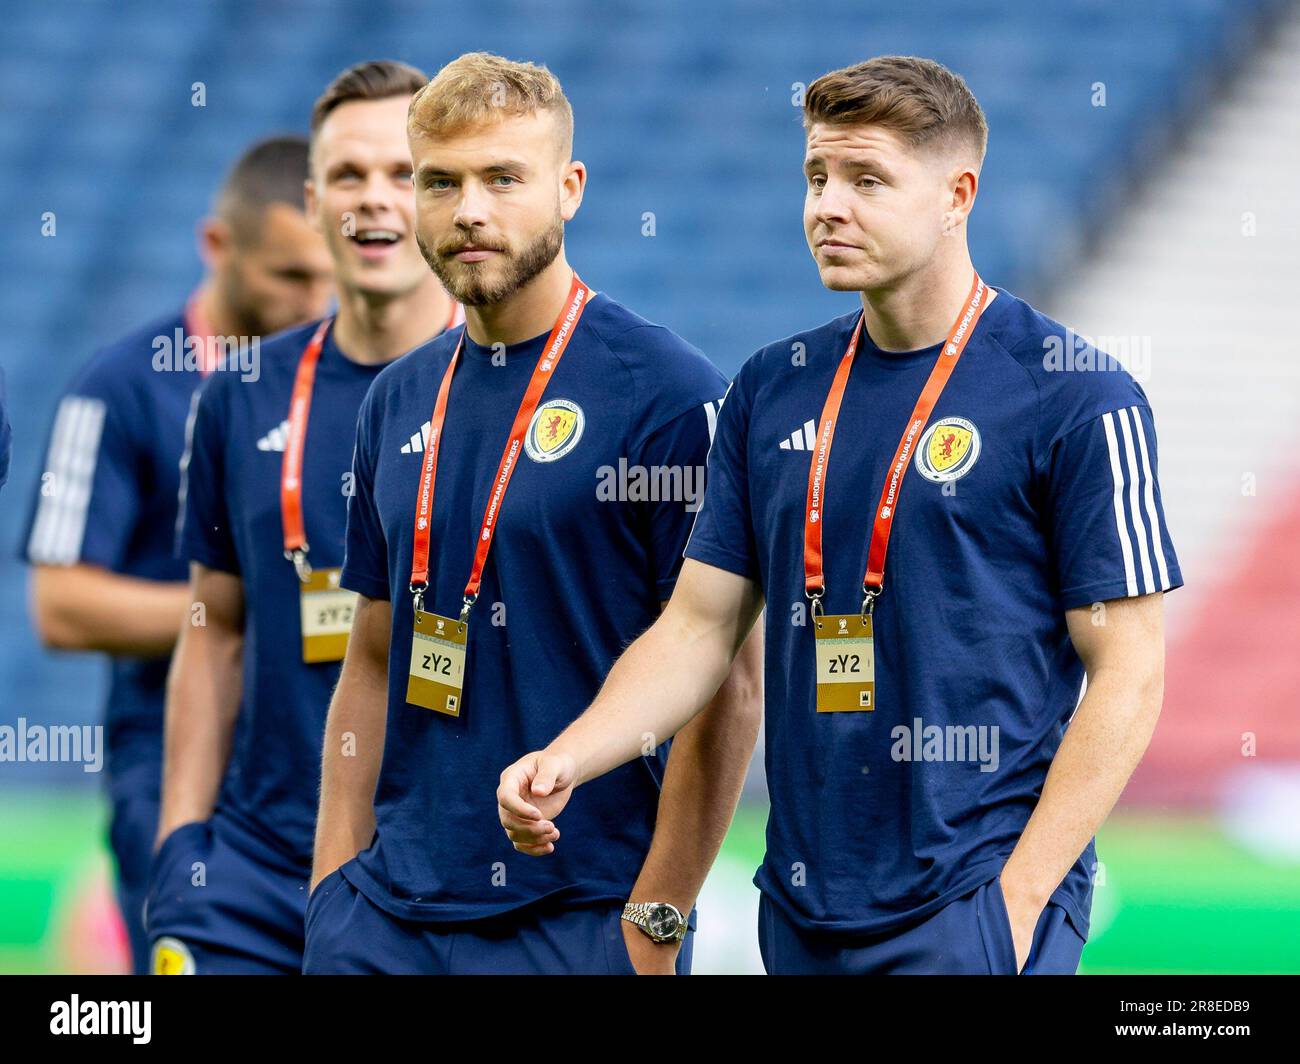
(588,544)
(233,523)
(107,497)
(1035,492)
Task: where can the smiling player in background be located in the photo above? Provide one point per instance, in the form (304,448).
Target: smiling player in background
(266,506)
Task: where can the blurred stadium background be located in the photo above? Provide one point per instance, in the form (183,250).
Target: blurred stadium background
(1139,186)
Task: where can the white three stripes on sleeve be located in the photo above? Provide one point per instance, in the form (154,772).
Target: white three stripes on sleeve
(60,525)
(183,492)
(1150,499)
(1142,513)
(711,412)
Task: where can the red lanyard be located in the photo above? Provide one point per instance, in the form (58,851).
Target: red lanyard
(295,534)
(565,326)
(874,581)
(198,326)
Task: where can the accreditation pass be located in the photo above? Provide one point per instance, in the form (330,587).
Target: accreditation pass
(846,663)
(437,663)
(325,611)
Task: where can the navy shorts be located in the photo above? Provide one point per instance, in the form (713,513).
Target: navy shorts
(130,836)
(221,903)
(969,936)
(347,934)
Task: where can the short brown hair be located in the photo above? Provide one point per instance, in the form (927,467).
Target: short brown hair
(271,171)
(480,87)
(921,100)
(379,79)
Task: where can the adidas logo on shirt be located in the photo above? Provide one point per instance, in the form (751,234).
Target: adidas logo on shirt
(276,439)
(419,440)
(802,439)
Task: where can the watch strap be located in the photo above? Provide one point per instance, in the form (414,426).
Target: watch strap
(638,913)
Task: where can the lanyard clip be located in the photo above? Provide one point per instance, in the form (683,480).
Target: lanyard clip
(418,591)
(870,594)
(469,605)
(815,597)
(300,564)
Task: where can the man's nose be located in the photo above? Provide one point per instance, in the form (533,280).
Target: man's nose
(471,206)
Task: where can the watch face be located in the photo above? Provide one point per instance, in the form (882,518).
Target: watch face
(663,921)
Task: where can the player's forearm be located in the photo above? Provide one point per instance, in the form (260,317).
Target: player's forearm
(702,784)
(203,692)
(1102,746)
(661,681)
(350,760)
(84,607)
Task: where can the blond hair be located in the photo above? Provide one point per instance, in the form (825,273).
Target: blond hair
(479,88)
(921,100)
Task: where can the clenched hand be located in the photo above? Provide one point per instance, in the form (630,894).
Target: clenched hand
(531,795)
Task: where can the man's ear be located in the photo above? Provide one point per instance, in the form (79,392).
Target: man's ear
(572,185)
(963,184)
(309,204)
(215,242)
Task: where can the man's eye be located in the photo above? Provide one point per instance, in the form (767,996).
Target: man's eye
(506,178)
(868,182)
(816,182)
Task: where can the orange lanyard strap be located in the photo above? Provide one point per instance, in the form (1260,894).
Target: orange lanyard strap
(814,511)
(562,332)
(295,534)
(814,581)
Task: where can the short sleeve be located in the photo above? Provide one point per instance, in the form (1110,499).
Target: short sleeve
(1107,524)
(365,558)
(723,534)
(87,503)
(677,451)
(207,536)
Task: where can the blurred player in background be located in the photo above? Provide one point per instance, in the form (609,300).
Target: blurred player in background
(266,506)
(101,533)
(930,811)
(546,386)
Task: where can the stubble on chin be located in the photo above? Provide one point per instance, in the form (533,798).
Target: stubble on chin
(471,283)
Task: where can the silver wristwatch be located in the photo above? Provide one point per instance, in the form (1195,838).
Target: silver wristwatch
(658,920)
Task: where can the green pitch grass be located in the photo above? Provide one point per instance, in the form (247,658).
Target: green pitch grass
(1176,896)
(50,850)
